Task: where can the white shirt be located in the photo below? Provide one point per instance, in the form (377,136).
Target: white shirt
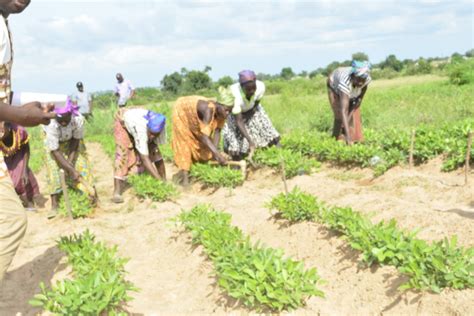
(124,90)
(241,104)
(135,123)
(5,45)
(82,99)
(55,133)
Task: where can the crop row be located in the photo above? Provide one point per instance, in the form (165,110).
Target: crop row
(429,266)
(145,186)
(81,205)
(390,146)
(98,287)
(257,276)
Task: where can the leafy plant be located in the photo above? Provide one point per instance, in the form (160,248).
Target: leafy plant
(295,163)
(429,266)
(81,205)
(98,286)
(145,186)
(295,206)
(217,176)
(253,274)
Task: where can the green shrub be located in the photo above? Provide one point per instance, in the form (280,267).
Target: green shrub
(296,206)
(295,162)
(256,275)
(98,286)
(81,205)
(217,176)
(146,186)
(429,266)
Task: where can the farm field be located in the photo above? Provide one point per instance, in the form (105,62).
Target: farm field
(176,277)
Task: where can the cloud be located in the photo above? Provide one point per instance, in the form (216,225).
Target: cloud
(61,40)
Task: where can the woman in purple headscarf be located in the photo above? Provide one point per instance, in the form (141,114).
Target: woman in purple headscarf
(346,89)
(138,133)
(249,126)
(65,150)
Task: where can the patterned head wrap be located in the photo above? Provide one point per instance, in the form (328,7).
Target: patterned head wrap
(225,96)
(69,108)
(156,122)
(361,68)
(246,76)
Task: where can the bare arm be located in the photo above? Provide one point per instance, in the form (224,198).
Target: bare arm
(359,102)
(241,126)
(150,167)
(344,107)
(132,94)
(65,164)
(73,150)
(30,114)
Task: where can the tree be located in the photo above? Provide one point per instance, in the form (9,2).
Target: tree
(392,62)
(423,67)
(287,73)
(303,74)
(172,83)
(207,69)
(197,80)
(330,68)
(225,81)
(360,56)
(470,53)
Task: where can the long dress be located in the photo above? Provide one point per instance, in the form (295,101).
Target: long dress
(17,163)
(59,138)
(187,128)
(256,121)
(127,153)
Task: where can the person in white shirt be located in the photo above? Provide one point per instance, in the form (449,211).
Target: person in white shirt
(138,134)
(124,90)
(249,126)
(65,149)
(13,216)
(83,100)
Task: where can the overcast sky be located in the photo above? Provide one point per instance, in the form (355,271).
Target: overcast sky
(59,42)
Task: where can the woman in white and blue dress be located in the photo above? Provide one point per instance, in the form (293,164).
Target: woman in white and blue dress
(248,127)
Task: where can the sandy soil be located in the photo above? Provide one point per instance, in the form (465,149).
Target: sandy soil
(174,278)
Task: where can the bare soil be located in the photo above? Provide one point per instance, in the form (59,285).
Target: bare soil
(174,278)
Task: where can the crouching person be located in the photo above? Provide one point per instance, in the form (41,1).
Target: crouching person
(138,134)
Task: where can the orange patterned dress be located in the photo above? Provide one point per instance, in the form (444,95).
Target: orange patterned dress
(187,128)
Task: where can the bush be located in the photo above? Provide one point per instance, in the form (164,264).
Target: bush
(146,186)
(461,73)
(217,176)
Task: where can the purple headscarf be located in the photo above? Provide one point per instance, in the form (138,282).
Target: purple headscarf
(246,76)
(156,122)
(68,108)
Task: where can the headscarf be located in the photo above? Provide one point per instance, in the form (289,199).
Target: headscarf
(226,97)
(246,76)
(69,107)
(361,68)
(155,122)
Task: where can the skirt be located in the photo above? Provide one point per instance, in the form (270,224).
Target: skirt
(259,127)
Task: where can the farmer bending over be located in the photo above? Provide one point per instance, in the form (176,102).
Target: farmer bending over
(138,133)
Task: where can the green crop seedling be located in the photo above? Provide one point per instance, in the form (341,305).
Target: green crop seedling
(257,276)
(429,266)
(98,286)
(145,186)
(217,176)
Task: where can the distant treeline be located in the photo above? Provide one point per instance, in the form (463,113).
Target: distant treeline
(459,68)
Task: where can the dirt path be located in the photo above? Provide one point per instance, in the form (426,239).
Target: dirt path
(175,279)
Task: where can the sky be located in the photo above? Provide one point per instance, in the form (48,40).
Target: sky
(58,43)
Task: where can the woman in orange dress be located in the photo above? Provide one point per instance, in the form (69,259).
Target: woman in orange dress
(197,125)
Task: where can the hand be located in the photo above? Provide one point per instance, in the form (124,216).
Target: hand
(75,176)
(221,160)
(33,114)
